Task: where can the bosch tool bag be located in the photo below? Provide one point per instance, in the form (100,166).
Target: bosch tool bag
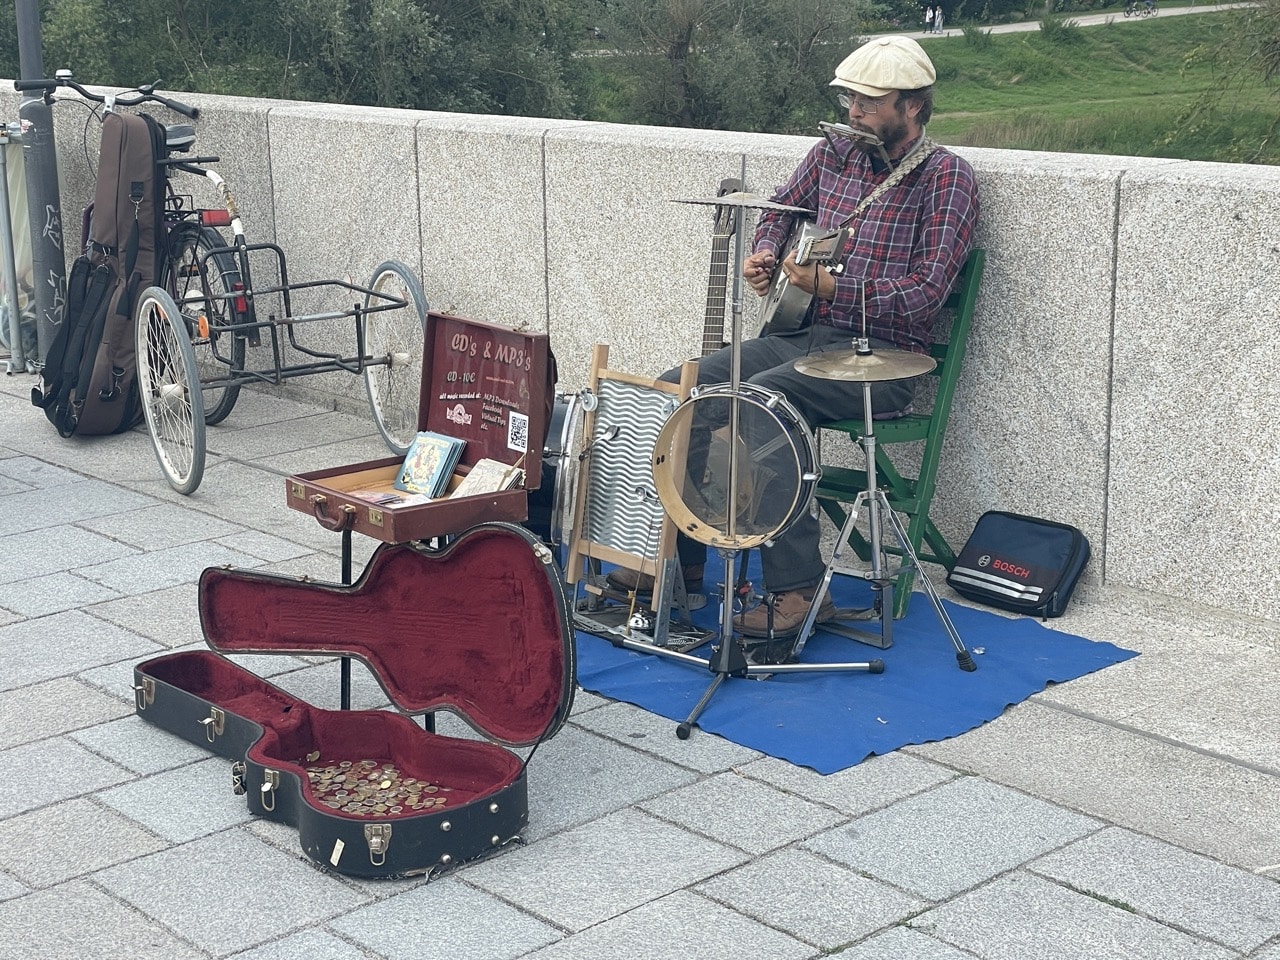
(88,385)
(1018,563)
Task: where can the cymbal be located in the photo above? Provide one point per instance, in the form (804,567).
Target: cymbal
(873,367)
(755,202)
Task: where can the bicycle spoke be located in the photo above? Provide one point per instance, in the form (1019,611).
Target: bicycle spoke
(170,394)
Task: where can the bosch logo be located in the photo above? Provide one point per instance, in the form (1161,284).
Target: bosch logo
(984,560)
(1014,570)
(457,414)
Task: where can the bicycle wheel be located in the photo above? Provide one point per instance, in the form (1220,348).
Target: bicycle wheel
(170,389)
(393,340)
(202,292)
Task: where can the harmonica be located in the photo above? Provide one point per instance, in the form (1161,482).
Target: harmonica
(862,138)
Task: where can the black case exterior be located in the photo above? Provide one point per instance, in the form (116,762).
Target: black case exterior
(270,735)
(1020,563)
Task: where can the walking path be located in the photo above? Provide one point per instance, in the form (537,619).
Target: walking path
(1131,813)
(1082,19)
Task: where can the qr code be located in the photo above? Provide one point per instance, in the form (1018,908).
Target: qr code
(517,432)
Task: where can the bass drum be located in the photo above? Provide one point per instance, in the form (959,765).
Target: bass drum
(551,505)
(769,470)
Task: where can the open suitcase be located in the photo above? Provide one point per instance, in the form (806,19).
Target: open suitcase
(479,627)
(483,383)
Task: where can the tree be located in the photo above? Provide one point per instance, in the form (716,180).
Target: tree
(731,63)
(771,71)
(1245,50)
(483,56)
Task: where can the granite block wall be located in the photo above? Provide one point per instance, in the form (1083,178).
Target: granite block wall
(1122,364)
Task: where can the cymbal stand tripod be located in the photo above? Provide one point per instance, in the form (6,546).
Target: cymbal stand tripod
(878,512)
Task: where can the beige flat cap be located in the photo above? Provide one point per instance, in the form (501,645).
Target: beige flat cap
(885,64)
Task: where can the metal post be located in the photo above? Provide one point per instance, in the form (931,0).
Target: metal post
(44,205)
(17,362)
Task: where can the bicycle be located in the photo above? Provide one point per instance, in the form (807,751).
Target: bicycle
(194,326)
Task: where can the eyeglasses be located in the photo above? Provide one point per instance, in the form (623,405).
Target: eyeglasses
(847,101)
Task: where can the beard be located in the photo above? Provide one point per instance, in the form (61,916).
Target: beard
(893,131)
(894,135)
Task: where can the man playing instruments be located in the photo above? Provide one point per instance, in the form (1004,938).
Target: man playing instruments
(905,250)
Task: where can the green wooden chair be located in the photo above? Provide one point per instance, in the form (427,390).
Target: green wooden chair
(908,495)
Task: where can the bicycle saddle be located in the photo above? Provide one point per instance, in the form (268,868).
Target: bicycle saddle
(179,136)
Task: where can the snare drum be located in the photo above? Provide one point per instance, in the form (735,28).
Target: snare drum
(769,471)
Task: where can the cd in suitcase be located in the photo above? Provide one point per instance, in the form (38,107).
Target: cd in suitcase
(479,627)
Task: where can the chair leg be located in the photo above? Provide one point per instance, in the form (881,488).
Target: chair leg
(906,579)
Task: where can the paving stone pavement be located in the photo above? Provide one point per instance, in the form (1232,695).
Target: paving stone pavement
(1131,813)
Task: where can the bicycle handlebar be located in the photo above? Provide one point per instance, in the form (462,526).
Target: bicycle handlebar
(144,94)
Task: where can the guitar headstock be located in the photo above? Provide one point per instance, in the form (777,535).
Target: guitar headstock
(824,249)
(725,215)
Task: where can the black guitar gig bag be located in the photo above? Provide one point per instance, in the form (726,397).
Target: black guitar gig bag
(89,382)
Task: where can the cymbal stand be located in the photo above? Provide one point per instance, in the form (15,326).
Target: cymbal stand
(729,657)
(879,511)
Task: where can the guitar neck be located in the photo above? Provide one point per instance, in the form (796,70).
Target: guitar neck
(713,319)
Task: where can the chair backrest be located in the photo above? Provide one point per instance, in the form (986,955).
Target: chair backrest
(949,353)
(950,357)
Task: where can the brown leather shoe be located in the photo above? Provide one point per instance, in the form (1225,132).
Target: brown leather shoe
(790,607)
(627,580)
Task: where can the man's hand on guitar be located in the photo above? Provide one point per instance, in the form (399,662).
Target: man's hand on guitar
(757,270)
(810,277)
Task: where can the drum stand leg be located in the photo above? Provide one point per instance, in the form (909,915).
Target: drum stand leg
(729,658)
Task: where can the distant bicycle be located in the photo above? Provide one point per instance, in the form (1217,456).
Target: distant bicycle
(1135,8)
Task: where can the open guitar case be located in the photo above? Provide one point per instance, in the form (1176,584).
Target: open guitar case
(479,627)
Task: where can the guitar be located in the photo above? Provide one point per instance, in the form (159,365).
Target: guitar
(713,317)
(786,306)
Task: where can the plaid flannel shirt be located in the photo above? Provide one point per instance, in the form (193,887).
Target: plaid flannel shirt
(905,250)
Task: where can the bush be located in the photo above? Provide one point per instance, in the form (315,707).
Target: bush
(1023,62)
(975,36)
(1060,32)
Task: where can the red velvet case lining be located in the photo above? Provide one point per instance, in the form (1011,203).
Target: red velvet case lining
(293,729)
(476,627)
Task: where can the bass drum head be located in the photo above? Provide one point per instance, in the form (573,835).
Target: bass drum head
(768,472)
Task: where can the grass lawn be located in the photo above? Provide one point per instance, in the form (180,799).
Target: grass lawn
(1117,88)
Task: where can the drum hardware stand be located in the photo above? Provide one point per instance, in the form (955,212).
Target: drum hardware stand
(729,657)
(635,627)
(879,511)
